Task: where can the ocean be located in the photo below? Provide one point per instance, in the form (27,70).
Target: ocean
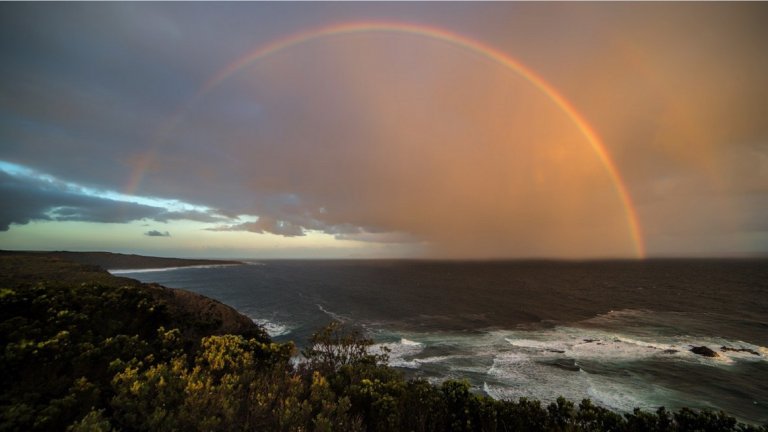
(617,332)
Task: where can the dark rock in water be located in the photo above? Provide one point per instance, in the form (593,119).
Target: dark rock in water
(669,351)
(725,348)
(704,351)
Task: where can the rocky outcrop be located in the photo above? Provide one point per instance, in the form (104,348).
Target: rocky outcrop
(747,350)
(704,351)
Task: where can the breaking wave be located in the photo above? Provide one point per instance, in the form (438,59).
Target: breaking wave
(273,329)
(165,269)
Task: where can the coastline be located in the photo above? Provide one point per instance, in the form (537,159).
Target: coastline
(165,326)
(116,261)
(120,271)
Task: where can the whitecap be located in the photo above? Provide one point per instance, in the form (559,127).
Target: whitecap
(515,375)
(333,315)
(273,329)
(551,346)
(438,359)
(602,346)
(165,269)
(401,353)
(405,341)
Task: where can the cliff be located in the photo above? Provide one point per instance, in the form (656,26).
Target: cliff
(195,315)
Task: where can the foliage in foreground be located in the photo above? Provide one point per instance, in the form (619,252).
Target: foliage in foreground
(92,358)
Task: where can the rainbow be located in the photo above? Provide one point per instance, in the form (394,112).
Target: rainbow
(454,39)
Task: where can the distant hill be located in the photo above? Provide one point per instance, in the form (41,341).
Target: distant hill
(116,261)
(194,314)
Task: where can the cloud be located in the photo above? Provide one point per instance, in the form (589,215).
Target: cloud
(39,197)
(393,138)
(194,215)
(265,225)
(393,237)
(28,199)
(155,233)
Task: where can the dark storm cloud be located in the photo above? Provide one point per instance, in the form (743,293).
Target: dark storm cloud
(27,199)
(193,215)
(340,232)
(265,225)
(155,233)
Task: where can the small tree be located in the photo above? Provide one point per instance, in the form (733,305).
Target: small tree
(336,346)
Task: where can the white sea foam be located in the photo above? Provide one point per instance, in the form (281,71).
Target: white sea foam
(570,361)
(438,359)
(165,269)
(405,341)
(333,315)
(604,346)
(273,329)
(577,363)
(626,396)
(516,375)
(401,353)
(551,346)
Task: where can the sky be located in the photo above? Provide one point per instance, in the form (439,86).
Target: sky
(455,130)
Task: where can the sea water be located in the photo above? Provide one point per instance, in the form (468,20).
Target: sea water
(617,332)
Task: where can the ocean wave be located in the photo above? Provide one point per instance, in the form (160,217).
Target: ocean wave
(165,269)
(438,359)
(515,375)
(401,353)
(273,329)
(597,363)
(605,346)
(333,315)
(409,342)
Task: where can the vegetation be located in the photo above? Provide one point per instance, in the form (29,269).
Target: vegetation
(103,355)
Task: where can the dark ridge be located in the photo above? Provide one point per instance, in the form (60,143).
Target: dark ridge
(117,261)
(195,315)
